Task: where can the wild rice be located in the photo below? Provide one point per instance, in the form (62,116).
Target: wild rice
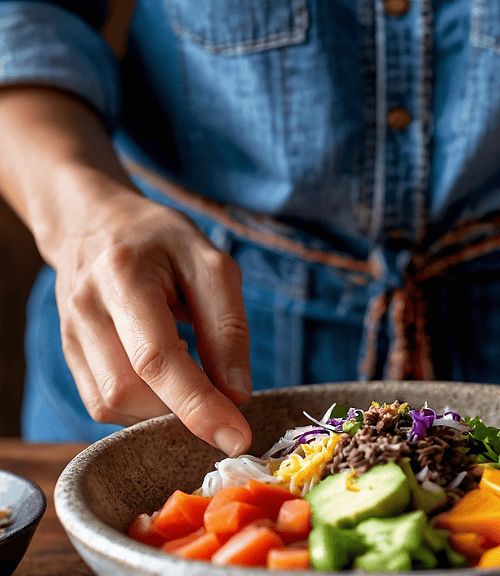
(385,436)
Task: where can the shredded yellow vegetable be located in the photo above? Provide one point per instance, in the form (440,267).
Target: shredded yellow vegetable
(300,473)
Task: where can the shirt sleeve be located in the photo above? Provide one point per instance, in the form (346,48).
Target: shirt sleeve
(44,43)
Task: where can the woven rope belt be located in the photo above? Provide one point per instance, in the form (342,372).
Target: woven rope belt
(409,355)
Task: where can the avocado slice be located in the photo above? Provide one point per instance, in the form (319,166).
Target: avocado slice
(332,548)
(401,538)
(327,549)
(381,492)
(376,561)
(399,532)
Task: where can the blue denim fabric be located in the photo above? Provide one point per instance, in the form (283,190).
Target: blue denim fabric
(280,109)
(41,43)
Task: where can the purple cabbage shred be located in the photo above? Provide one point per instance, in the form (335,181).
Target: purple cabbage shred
(302,439)
(422,421)
(455,416)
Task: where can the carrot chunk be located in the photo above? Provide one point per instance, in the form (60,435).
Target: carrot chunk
(142,530)
(288,559)
(192,506)
(294,520)
(181,514)
(249,547)
(202,548)
(268,496)
(230,494)
(172,545)
(231,517)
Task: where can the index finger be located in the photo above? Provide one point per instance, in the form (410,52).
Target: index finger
(147,329)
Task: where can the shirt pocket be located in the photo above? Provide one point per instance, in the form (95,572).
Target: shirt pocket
(242,27)
(485,25)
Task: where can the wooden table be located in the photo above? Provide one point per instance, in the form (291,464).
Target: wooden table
(50,552)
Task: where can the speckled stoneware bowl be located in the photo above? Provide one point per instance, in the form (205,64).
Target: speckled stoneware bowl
(27,504)
(136,469)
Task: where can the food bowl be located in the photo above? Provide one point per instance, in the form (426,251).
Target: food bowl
(136,469)
(27,504)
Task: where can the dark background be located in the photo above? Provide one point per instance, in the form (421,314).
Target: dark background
(19,264)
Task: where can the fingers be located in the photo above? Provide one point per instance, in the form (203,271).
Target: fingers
(212,286)
(138,306)
(110,389)
(87,386)
(120,334)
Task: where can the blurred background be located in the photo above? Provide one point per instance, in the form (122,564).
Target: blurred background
(19,264)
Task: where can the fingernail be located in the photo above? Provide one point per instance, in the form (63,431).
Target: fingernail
(239,381)
(230,440)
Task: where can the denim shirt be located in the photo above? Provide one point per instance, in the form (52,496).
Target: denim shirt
(350,127)
(281,107)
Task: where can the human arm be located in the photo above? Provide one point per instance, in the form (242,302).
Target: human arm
(126,268)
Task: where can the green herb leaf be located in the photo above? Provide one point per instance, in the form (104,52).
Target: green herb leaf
(487,436)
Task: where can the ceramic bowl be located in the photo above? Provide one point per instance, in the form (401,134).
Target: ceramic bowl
(136,469)
(27,504)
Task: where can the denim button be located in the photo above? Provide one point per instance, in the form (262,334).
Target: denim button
(396,7)
(398,118)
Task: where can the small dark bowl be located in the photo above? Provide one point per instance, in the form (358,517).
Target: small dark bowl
(27,503)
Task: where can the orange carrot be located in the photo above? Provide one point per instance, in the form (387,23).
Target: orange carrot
(288,559)
(294,520)
(231,517)
(230,494)
(249,547)
(268,496)
(478,511)
(181,514)
(172,545)
(192,506)
(202,548)
(141,529)
(490,559)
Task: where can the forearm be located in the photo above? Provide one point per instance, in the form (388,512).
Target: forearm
(127,269)
(58,168)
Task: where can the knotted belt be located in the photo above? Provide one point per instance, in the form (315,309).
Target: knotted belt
(409,356)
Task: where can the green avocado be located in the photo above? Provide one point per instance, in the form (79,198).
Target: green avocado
(376,561)
(332,548)
(381,492)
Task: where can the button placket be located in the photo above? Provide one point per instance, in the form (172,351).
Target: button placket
(398,118)
(402,21)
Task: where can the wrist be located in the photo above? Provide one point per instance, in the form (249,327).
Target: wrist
(58,168)
(76,202)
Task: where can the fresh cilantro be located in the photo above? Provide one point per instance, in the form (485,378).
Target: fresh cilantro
(488,439)
(339,411)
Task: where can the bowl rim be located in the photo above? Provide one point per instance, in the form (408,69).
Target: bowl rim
(34,514)
(77,519)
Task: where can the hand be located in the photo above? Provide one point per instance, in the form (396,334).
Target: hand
(126,269)
(121,283)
